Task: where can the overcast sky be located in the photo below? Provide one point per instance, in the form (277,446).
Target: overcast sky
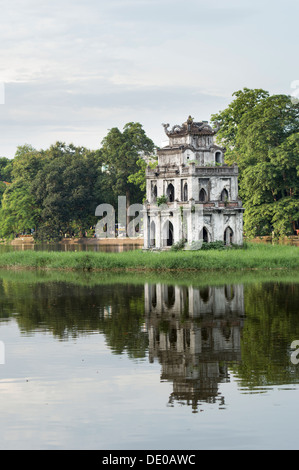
(72,69)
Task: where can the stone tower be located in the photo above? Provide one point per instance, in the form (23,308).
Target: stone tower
(192,195)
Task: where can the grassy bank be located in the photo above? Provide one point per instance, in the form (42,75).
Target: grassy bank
(252,257)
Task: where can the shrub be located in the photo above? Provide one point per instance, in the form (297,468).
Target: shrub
(218,245)
(178,246)
(161,200)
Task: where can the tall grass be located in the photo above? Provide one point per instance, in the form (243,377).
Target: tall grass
(253,256)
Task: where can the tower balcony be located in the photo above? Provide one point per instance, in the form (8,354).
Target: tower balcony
(206,206)
(174,171)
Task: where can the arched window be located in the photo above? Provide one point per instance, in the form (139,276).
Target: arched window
(218,158)
(170,192)
(154,193)
(224,195)
(203,195)
(228,236)
(205,235)
(185,192)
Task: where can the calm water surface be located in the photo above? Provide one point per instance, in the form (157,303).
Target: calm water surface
(110,363)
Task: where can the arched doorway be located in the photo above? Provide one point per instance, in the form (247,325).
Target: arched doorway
(204,235)
(228,236)
(153,234)
(168,234)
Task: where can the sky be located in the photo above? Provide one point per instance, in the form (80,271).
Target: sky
(70,70)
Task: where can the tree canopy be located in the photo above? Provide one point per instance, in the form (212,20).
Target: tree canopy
(122,153)
(54,192)
(261,134)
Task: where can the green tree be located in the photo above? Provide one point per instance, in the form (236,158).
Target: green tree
(2,190)
(103,191)
(5,175)
(19,212)
(120,153)
(5,169)
(262,135)
(64,189)
(53,191)
(139,177)
(230,119)
(27,162)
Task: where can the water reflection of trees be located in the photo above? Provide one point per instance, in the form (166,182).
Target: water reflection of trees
(199,335)
(272,324)
(69,311)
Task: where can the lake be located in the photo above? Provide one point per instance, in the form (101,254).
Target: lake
(94,361)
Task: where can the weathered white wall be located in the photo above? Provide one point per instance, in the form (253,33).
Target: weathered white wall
(196,165)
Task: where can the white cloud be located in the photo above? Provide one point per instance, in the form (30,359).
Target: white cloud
(77,66)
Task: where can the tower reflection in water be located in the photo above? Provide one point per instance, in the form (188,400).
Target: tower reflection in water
(194,333)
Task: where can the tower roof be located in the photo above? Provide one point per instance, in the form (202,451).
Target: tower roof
(190,127)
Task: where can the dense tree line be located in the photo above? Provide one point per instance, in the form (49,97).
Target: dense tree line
(116,310)
(55,191)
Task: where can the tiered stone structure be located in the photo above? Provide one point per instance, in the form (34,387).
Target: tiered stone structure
(200,191)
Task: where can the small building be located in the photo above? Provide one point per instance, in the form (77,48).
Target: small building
(192,195)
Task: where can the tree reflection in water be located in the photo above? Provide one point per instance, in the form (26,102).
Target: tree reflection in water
(200,335)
